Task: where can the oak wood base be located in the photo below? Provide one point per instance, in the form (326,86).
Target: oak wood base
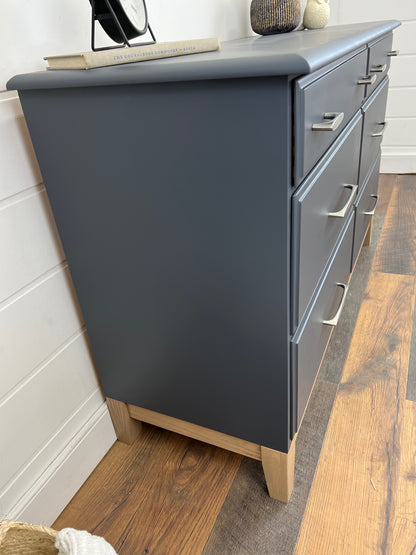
(127,429)
(367,238)
(278,467)
(279,471)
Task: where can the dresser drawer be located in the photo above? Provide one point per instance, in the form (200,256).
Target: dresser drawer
(365,207)
(320,209)
(374,125)
(310,341)
(378,61)
(324,106)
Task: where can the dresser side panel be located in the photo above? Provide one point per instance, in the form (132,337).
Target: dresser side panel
(172,202)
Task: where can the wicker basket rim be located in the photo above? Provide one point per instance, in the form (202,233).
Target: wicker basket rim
(7,525)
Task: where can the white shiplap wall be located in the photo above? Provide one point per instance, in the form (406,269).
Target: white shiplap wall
(55,425)
(51,404)
(399,142)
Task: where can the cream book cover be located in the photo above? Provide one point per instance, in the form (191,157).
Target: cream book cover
(116,56)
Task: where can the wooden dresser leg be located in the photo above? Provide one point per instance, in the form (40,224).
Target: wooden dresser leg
(367,238)
(127,429)
(279,470)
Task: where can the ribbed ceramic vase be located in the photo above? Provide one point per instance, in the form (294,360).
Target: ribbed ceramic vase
(269,17)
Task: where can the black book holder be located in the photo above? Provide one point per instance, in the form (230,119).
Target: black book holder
(115,25)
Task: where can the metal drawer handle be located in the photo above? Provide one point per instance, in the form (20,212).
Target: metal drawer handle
(341,213)
(367,80)
(372,212)
(334,320)
(393,53)
(380,133)
(379,68)
(334,121)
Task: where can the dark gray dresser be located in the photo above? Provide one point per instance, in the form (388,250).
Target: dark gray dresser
(212,208)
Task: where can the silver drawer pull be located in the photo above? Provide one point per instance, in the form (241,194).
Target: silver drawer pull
(341,213)
(334,121)
(367,80)
(380,133)
(393,53)
(372,212)
(334,320)
(379,68)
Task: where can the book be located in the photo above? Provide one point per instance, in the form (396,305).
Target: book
(115,56)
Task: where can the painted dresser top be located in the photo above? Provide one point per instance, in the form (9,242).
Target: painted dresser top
(296,53)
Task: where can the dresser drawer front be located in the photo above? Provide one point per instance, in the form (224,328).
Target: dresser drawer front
(379,61)
(364,209)
(373,128)
(320,209)
(311,339)
(336,94)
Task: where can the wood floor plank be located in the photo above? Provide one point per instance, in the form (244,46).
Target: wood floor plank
(386,185)
(397,248)
(411,375)
(404,521)
(162,494)
(353,494)
(337,351)
(250,522)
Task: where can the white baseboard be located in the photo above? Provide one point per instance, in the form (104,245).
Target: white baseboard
(398,160)
(50,494)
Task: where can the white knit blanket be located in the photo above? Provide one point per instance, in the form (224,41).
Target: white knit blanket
(78,542)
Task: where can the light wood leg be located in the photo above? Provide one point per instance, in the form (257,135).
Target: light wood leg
(279,470)
(367,238)
(127,429)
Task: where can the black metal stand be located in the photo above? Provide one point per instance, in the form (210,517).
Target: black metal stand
(111,15)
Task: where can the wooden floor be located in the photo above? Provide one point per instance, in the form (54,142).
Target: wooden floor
(167,494)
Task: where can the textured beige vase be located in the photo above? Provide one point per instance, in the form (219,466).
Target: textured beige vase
(269,17)
(316,14)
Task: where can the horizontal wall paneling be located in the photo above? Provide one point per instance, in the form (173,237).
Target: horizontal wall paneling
(396,159)
(401,102)
(42,408)
(36,324)
(29,243)
(404,37)
(56,486)
(400,132)
(19,169)
(402,72)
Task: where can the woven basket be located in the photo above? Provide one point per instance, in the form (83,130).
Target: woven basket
(20,538)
